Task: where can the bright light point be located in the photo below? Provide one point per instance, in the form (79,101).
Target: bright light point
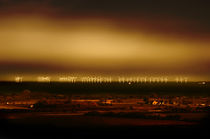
(43,79)
(18,79)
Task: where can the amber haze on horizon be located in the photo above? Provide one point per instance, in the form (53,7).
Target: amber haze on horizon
(114,38)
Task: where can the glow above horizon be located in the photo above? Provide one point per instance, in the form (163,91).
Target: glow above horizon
(97,46)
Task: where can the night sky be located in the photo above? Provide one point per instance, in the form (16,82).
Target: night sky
(105,37)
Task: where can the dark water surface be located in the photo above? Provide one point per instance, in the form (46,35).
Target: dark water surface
(171,88)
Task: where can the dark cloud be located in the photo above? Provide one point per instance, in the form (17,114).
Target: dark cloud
(181,18)
(198,10)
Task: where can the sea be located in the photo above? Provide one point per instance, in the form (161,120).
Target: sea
(113,88)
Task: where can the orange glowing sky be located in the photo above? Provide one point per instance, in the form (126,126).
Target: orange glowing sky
(44,42)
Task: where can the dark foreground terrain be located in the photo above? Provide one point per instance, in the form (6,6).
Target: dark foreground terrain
(97,127)
(110,110)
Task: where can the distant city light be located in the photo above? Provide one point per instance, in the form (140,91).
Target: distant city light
(202,83)
(31,106)
(18,79)
(181,79)
(105,79)
(43,79)
(67,79)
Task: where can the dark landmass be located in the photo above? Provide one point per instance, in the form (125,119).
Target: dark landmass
(103,110)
